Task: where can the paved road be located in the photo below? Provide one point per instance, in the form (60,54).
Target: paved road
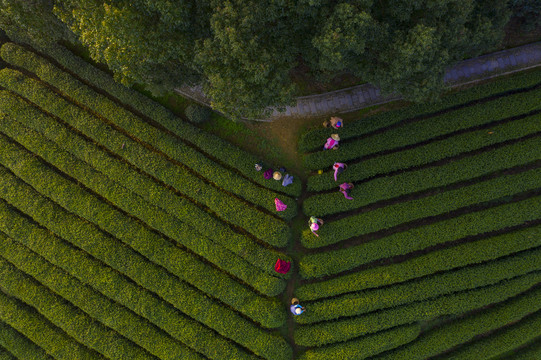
(358,97)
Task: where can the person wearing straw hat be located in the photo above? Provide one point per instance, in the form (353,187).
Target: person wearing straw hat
(345,189)
(313,223)
(332,142)
(296,308)
(277,175)
(335,122)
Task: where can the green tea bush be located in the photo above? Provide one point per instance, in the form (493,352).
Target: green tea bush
(40,331)
(315,139)
(4,354)
(466,278)
(459,303)
(365,346)
(531,351)
(466,328)
(19,345)
(197,113)
(133,204)
(431,152)
(123,289)
(265,311)
(438,204)
(93,320)
(231,209)
(472,224)
(228,154)
(520,153)
(474,252)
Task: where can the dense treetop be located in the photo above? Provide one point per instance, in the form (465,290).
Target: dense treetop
(244,51)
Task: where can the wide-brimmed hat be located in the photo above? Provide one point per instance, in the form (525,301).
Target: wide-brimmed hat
(277,175)
(335,137)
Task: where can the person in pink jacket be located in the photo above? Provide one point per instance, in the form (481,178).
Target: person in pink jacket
(338,169)
(345,188)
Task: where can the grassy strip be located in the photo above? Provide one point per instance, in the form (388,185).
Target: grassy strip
(19,345)
(505,157)
(39,330)
(464,329)
(458,303)
(531,351)
(472,224)
(428,287)
(315,139)
(130,202)
(263,226)
(393,215)
(265,311)
(433,127)
(132,124)
(475,252)
(111,329)
(365,346)
(75,322)
(225,152)
(113,314)
(431,152)
(123,290)
(500,342)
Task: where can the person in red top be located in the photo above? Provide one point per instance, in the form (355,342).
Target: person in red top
(338,169)
(345,188)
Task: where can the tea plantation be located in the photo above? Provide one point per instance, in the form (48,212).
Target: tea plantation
(128,233)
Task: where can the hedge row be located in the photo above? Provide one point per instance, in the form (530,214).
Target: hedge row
(365,346)
(19,345)
(219,149)
(135,126)
(471,224)
(39,330)
(502,341)
(69,318)
(313,140)
(505,157)
(93,320)
(431,152)
(464,329)
(531,351)
(475,252)
(409,134)
(264,226)
(403,212)
(458,303)
(265,311)
(427,287)
(132,203)
(6,355)
(123,290)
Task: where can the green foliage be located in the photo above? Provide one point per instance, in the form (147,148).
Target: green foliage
(470,277)
(197,114)
(528,12)
(471,224)
(504,157)
(459,303)
(365,346)
(470,253)
(426,129)
(464,329)
(39,330)
(156,255)
(93,320)
(224,152)
(227,207)
(6,355)
(313,139)
(19,345)
(154,213)
(112,283)
(386,217)
(532,351)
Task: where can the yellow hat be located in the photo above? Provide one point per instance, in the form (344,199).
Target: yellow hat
(335,137)
(277,175)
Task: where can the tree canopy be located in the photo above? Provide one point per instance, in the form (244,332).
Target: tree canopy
(243,52)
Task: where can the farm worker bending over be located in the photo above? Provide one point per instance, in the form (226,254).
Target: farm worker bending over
(313,222)
(295,308)
(338,169)
(345,188)
(332,142)
(335,122)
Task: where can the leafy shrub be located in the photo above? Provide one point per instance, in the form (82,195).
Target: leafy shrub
(528,12)
(475,252)
(197,113)
(13,342)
